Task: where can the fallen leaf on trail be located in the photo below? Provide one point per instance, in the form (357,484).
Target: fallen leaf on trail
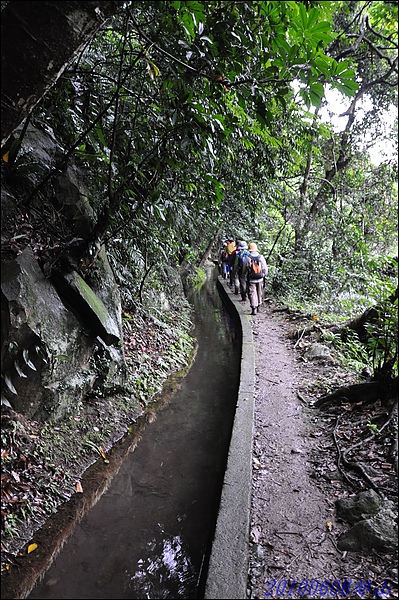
(101,451)
(78,487)
(32,548)
(255,534)
(329,525)
(16,476)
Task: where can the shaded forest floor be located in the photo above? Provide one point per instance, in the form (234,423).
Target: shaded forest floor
(298,477)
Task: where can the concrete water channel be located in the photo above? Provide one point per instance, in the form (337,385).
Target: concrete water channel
(168,527)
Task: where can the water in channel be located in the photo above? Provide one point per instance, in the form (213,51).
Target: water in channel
(149,535)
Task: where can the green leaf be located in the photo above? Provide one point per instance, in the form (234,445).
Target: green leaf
(100,135)
(341,67)
(315,98)
(303,16)
(312,17)
(347,74)
(62,357)
(317,89)
(348,88)
(321,28)
(13,150)
(159,212)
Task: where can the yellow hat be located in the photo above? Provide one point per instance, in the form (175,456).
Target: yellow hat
(252,247)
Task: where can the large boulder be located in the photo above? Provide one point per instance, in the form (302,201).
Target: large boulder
(373,520)
(52,348)
(61,317)
(361,506)
(379,532)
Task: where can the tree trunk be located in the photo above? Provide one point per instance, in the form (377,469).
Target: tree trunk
(209,248)
(358,324)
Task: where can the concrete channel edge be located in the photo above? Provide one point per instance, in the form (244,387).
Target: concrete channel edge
(228,564)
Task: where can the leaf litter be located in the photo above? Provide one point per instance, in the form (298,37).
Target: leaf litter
(304,460)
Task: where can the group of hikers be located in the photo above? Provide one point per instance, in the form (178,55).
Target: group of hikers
(245,269)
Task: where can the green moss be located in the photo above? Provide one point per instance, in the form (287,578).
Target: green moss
(197,279)
(95,303)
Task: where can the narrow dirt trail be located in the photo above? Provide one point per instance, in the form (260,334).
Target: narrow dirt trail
(293,552)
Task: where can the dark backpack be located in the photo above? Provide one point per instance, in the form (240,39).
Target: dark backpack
(255,268)
(244,262)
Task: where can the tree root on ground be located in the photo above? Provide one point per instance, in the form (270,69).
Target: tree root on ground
(357,467)
(362,392)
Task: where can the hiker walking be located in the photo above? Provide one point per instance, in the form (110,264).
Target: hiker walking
(257,271)
(233,261)
(224,259)
(231,247)
(241,263)
(220,259)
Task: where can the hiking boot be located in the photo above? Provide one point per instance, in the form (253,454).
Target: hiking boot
(257,309)
(253,311)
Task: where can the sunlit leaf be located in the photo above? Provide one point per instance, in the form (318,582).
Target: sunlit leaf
(16,476)
(41,353)
(62,357)
(32,547)
(101,451)
(5,402)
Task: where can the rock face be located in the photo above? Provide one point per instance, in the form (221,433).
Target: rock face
(374,523)
(52,347)
(355,508)
(39,41)
(62,329)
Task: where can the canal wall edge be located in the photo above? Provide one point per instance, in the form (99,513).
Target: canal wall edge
(228,564)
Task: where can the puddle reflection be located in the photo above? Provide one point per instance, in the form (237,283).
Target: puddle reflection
(167,560)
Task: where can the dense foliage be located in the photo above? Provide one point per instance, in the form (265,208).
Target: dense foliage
(203,120)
